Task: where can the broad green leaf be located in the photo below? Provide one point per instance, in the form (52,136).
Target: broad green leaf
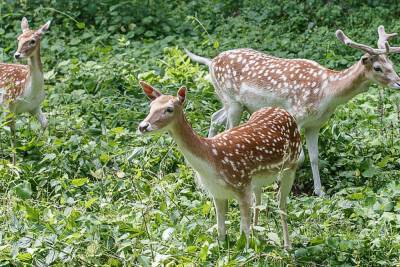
(90,202)
(32,213)
(79,181)
(80,25)
(25,257)
(51,257)
(23,190)
(300,253)
(203,252)
(167,233)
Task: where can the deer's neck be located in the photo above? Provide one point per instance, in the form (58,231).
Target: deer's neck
(35,69)
(346,84)
(193,147)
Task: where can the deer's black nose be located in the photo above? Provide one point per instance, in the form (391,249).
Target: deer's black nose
(17,55)
(143,126)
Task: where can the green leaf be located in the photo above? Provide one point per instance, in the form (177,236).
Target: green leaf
(25,257)
(80,25)
(79,181)
(204,252)
(241,243)
(23,190)
(144,261)
(104,157)
(205,209)
(370,172)
(32,213)
(90,202)
(356,196)
(385,161)
(316,250)
(167,233)
(216,44)
(24,242)
(300,253)
(74,41)
(114,262)
(388,206)
(51,257)
(317,240)
(117,130)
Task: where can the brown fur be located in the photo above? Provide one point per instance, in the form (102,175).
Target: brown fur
(269,141)
(13,78)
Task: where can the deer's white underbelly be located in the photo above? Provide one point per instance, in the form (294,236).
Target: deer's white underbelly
(254,98)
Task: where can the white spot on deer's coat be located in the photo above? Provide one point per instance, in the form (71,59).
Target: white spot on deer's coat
(215,152)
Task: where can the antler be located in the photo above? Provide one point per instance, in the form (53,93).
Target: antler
(347,41)
(384,37)
(384,49)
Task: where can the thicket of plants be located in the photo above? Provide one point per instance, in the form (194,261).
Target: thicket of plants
(91,191)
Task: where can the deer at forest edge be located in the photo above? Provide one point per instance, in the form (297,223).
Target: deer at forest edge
(22,86)
(235,163)
(245,78)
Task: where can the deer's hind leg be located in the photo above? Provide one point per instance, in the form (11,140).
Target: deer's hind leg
(221,208)
(245,219)
(217,120)
(234,113)
(257,197)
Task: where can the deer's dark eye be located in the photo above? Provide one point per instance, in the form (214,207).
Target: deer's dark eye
(32,42)
(378,69)
(169,109)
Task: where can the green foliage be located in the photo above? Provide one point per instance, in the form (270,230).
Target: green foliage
(90,191)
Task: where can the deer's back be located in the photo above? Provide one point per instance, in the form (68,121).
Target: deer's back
(257,80)
(267,141)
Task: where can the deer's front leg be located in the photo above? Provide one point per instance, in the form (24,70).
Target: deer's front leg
(312,144)
(221,207)
(41,117)
(11,123)
(284,191)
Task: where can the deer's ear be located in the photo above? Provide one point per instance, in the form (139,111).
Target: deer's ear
(45,27)
(149,90)
(182,94)
(24,24)
(365,59)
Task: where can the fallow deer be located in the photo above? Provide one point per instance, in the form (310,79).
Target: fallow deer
(236,163)
(22,86)
(245,78)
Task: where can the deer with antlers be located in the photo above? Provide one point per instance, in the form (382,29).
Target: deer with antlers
(245,78)
(22,86)
(236,163)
